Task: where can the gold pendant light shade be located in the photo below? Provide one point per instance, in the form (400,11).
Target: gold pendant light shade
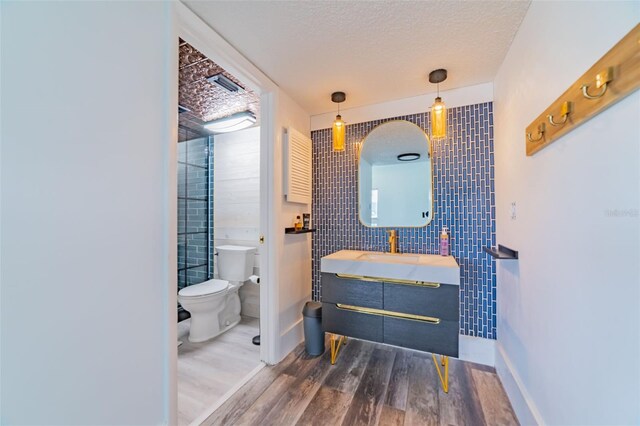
(438,119)
(438,109)
(339,126)
(338,134)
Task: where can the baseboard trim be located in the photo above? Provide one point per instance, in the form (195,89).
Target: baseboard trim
(291,338)
(520,399)
(209,411)
(478,350)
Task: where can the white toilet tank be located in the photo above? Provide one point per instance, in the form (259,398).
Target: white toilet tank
(235,263)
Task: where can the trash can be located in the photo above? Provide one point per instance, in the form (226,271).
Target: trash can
(313,334)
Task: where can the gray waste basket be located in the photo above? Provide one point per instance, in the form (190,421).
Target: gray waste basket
(313,334)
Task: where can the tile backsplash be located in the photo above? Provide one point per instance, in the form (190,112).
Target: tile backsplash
(463,201)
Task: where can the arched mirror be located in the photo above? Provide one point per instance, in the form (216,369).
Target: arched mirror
(394,177)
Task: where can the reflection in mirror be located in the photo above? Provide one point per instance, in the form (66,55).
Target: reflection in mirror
(394,176)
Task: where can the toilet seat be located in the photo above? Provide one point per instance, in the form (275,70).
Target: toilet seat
(206,288)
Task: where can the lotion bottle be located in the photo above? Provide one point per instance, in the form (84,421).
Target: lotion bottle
(444,242)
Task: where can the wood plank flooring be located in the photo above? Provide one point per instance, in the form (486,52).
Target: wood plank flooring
(370,384)
(208,370)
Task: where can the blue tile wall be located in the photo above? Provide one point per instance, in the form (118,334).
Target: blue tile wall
(211,210)
(464,201)
(195,201)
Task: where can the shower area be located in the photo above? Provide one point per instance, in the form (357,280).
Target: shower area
(195,210)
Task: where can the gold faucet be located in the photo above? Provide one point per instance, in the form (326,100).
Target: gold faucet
(393,241)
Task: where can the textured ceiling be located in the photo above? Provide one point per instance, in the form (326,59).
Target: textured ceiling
(204,100)
(374,51)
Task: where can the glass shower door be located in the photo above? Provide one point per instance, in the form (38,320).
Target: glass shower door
(194,211)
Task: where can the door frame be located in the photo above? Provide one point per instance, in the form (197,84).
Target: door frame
(188,26)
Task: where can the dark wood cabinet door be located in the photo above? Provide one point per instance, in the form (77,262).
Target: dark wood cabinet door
(348,291)
(441,302)
(352,324)
(439,338)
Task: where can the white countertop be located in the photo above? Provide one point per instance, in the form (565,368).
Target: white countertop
(406,266)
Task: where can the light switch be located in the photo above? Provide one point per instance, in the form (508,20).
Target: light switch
(513,210)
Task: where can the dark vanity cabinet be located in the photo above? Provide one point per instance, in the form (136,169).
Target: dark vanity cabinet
(417,315)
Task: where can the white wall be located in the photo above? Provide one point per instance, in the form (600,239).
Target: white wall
(568,310)
(87,181)
(236,200)
(291,254)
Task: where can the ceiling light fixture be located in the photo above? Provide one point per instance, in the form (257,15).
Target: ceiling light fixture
(409,156)
(224,82)
(438,109)
(234,122)
(338,124)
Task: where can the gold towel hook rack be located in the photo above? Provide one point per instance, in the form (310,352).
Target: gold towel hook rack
(613,77)
(565,110)
(602,80)
(541,129)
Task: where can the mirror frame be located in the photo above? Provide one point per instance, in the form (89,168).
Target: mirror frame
(429,149)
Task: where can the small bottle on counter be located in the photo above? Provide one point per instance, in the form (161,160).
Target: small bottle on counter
(444,242)
(306,220)
(298,224)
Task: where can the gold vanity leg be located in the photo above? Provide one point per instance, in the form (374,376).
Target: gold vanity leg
(444,377)
(332,343)
(335,346)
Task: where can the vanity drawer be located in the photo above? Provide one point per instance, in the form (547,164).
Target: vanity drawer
(351,291)
(351,324)
(441,302)
(439,338)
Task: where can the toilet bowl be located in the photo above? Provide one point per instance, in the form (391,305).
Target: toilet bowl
(208,303)
(214,305)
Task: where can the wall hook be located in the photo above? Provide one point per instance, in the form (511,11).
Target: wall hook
(614,76)
(602,80)
(541,129)
(565,110)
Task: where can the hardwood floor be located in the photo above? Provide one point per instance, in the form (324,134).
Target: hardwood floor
(370,384)
(208,370)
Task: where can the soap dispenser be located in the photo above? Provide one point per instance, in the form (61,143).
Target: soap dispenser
(444,242)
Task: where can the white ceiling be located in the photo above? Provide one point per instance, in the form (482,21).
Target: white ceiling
(374,51)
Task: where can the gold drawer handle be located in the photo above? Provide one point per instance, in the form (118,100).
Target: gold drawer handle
(385,313)
(408,282)
(389,280)
(358,277)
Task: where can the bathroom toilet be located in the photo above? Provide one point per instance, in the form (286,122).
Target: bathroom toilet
(214,305)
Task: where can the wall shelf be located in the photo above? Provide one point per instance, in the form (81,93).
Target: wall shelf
(302,231)
(501,252)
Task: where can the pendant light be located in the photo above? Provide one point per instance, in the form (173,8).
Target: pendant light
(338,124)
(438,109)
